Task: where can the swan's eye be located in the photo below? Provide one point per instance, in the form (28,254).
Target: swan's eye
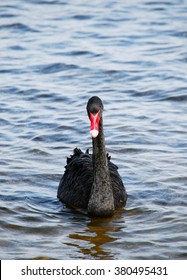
(94,124)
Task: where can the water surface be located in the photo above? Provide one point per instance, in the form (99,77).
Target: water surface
(54,56)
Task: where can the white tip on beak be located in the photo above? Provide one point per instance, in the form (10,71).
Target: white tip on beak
(94,133)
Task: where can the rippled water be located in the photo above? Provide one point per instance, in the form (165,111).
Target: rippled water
(54,55)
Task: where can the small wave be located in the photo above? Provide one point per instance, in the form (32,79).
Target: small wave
(56,67)
(176,98)
(180,34)
(6,15)
(80,53)
(48,2)
(82,17)
(18,27)
(37,152)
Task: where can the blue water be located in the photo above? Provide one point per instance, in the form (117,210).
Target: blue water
(54,55)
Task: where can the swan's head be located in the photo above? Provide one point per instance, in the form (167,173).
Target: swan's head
(94,110)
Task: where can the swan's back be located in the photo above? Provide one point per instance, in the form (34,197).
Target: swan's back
(75,186)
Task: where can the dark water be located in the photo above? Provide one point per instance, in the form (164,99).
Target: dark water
(54,55)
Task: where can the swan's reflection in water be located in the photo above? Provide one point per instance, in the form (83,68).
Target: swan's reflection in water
(90,242)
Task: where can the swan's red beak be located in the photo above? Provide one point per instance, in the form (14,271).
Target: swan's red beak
(94,124)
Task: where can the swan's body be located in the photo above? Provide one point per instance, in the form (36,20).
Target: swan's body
(92,182)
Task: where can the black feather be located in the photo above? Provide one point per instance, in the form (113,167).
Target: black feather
(76,183)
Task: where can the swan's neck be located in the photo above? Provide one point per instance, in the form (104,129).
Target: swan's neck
(99,150)
(101,201)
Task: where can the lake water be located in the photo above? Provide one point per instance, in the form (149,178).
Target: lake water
(54,55)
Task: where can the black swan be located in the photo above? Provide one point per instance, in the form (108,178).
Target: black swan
(92,182)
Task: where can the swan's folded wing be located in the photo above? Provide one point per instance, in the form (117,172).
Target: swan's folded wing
(75,185)
(119,192)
